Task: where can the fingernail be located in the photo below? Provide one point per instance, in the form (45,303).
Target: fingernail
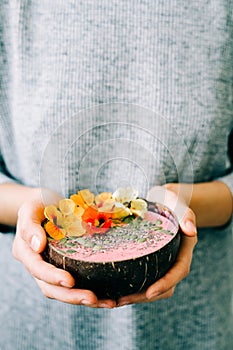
(65,284)
(105,305)
(86,302)
(153,295)
(35,243)
(123,303)
(190,226)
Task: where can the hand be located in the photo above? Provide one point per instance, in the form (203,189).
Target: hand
(29,243)
(165,286)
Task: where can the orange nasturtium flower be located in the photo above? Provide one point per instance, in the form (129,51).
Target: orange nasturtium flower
(83,198)
(54,231)
(94,217)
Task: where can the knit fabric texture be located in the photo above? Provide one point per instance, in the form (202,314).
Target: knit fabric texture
(103,94)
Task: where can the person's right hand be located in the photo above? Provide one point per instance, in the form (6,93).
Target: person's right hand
(29,243)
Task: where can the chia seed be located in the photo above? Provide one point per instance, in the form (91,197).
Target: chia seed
(137,231)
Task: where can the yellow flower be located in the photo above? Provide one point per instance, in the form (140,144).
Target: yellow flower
(120,211)
(63,221)
(107,207)
(51,213)
(138,207)
(83,199)
(66,206)
(79,211)
(83,211)
(72,226)
(103,198)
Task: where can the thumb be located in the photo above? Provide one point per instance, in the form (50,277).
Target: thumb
(184,214)
(29,226)
(188,223)
(38,239)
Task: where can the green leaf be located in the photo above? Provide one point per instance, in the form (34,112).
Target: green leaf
(63,240)
(69,244)
(97,247)
(71,251)
(167,232)
(128,219)
(142,240)
(158,222)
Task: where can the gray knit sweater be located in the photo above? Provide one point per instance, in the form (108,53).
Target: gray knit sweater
(101,94)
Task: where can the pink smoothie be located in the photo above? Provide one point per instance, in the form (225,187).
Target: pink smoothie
(136,239)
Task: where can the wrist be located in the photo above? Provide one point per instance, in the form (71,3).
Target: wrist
(183,191)
(211,202)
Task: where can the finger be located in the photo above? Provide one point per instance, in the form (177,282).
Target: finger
(165,286)
(142,298)
(188,223)
(74,296)
(68,295)
(38,268)
(132,299)
(178,272)
(184,214)
(48,276)
(29,226)
(106,303)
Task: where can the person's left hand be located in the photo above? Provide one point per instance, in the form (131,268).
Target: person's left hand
(165,286)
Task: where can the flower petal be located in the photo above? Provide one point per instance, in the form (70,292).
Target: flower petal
(78,200)
(120,211)
(125,195)
(87,196)
(76,229)
(107,207)
(138,207)
(54,231)
(51,213)
(103,197)
(90,213)
(66,206)
(69,220)
(79,211)
(60,220)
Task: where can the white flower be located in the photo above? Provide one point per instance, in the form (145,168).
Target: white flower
(125,195)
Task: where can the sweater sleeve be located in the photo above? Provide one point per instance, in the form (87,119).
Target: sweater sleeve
(4,68)
(4,176)
(228,178)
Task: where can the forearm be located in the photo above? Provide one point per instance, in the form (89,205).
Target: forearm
(211,202)
(12,197)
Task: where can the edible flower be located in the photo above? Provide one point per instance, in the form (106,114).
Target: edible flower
(85,213)
(97,219)
(83,198)
(125,195)
(62,221)
(138,207)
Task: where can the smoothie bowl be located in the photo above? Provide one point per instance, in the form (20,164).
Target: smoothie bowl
(114,244)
